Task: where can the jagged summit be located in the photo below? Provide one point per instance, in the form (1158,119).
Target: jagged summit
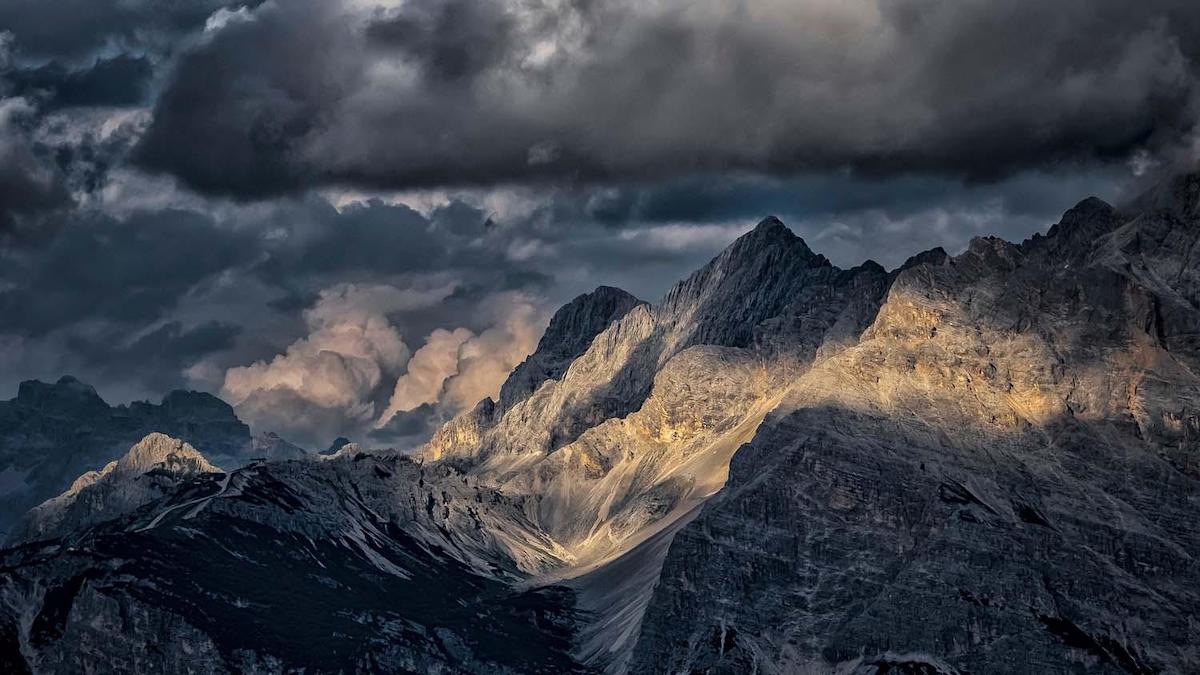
(933,256)
(770,232)
(160,449)
(752,280)
(772,226)
(570,332)
(151,468)
(1077,231)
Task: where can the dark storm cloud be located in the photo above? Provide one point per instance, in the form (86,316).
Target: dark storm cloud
(158,356)
(78,28)
(118,81)
(482,92)
(449,39)
(124,270)
(254,92)
(32,189)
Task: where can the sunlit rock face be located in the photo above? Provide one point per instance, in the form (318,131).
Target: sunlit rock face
(1001,476)
(972,464)
(570,333)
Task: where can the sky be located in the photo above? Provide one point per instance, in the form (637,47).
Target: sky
(354,217)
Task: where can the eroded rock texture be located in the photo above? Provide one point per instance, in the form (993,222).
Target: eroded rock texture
(1000,477)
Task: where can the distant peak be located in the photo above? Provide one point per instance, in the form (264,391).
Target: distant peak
(1080,227)
(67,395)
(196,403)
(610,291)
(336,445)
(160,449)
(587,314)
(771,228)
(605,298)
(870,266)
(570,332)
(1087,210)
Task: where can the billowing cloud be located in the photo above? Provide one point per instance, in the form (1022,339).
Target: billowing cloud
(352,349)
(430,367)
(483,92)
(455,369)
(30,185)
(486,359)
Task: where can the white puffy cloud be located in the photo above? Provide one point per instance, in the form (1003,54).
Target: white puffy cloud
(428,370)
(353,370)
(351,350)
(457,369)
(486,359)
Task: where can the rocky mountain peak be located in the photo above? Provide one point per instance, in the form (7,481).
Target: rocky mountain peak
(571,331)
(1078,230)
(868,266)
(992,252)
(751,281)
(151,468)
(66,396)
(769,233)
(772,226)
(158,449)
(574,325)
(337,444)
(934,256)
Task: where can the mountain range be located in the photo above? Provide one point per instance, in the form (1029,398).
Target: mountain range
(53,433)
(979,463)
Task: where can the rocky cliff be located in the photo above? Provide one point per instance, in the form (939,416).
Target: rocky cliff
(1001,476)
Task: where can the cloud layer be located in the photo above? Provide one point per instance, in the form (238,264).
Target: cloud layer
(335,380)
(461,92)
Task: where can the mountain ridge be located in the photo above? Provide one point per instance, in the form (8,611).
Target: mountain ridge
(773,469)
(51,433)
